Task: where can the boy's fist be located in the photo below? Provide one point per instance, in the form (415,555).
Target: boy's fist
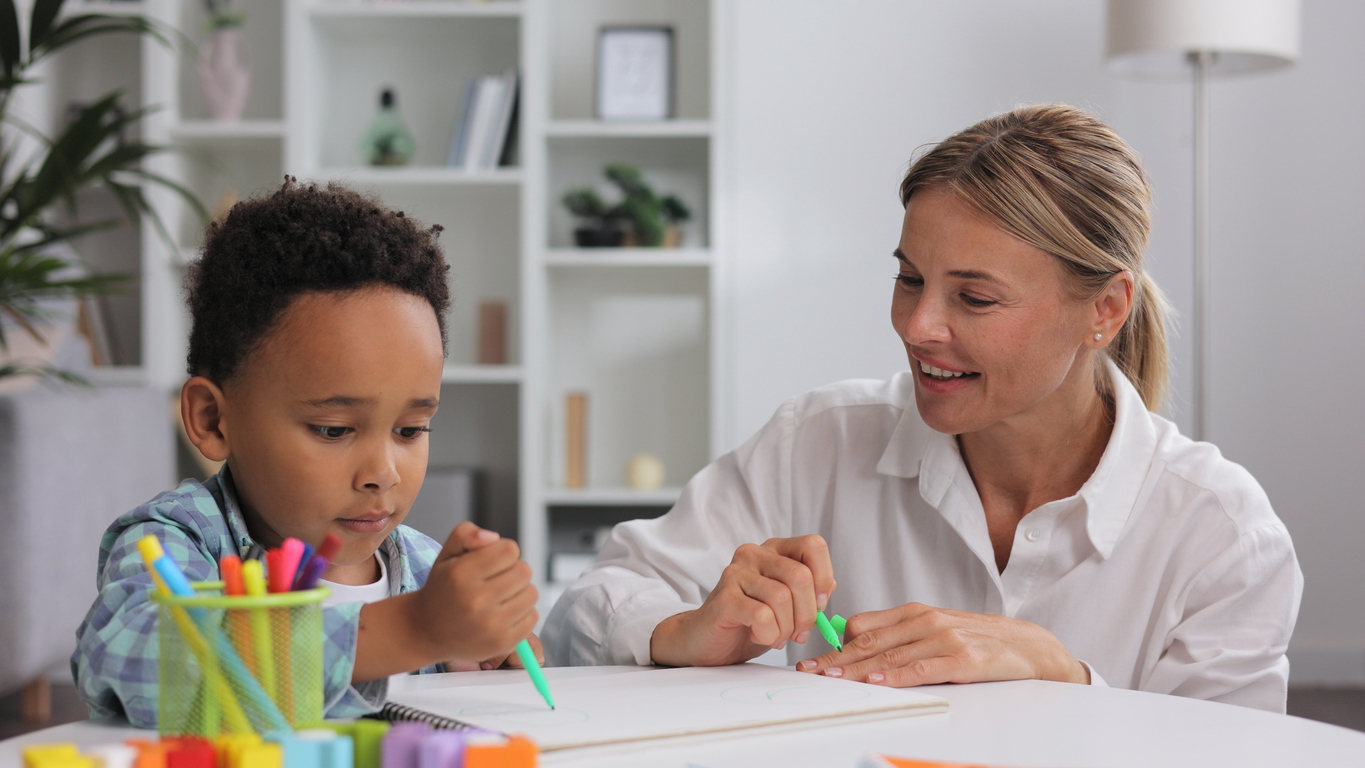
(478,602)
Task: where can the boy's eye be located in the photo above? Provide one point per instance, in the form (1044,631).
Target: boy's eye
(330,433)
(412,433)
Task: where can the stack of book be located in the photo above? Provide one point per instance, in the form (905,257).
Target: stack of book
(484,136)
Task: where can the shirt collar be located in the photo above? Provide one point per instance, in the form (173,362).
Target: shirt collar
(232,511)
(1110,493)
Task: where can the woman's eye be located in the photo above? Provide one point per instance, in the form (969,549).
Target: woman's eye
(910,281)
(331,433)
(975,302)
(412,433)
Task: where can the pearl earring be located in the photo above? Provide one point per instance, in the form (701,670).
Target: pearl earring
(1099,336)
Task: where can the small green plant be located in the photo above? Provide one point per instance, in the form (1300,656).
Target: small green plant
(40,174)
(640,210)
(222,15)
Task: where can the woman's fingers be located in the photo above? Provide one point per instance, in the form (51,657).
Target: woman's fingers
(869,634)
(812,552)
(796,613)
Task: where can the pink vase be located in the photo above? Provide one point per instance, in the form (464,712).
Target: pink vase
(224,73)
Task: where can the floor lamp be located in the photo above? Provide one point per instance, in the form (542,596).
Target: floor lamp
(1154,39)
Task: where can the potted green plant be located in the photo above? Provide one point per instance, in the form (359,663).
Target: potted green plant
(41,175)
(640,217)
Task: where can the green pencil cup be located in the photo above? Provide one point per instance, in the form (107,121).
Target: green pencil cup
(238,664)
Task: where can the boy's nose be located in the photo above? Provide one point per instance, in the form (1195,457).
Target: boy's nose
(380,470)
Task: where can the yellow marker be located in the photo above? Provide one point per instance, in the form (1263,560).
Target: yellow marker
(45,755)
(253,578)
(264,755)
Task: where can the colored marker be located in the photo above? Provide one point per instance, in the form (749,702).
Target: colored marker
(831,637)
(254,580)
(311,573)
(839,623)
(291,554)
(230,568)
(528,660)
(303,562)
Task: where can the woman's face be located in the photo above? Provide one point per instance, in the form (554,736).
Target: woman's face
(992,333)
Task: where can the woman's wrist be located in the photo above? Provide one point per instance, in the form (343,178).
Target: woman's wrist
(664,643)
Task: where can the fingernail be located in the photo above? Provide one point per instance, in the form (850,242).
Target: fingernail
(803,637)
(821,601)
(806,665)
(876,677)
(485,665)
(486,536)
(781,646)
(834,672)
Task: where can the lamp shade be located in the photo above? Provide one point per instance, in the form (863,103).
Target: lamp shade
(1153,38)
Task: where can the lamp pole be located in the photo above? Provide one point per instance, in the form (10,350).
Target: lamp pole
(1202,62)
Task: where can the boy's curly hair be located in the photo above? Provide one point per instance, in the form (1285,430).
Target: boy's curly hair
(302,238)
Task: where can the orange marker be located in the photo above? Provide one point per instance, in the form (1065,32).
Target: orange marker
(230,568)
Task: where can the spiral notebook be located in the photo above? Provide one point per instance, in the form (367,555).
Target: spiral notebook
(657,704)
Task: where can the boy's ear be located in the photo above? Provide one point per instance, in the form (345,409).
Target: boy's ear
(201,407)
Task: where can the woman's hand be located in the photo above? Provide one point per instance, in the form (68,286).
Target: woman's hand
(766,596)
(921,645)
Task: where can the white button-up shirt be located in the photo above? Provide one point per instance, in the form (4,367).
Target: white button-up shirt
(1168,571)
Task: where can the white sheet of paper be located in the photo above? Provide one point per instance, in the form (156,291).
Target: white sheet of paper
(664,703)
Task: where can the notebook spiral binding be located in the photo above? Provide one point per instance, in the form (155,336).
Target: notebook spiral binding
(397,713)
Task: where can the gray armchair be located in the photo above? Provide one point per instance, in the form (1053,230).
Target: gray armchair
(70,462)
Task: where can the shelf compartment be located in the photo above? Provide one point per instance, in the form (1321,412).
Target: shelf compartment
(418,9)
(482,244)
(425,60)
(477,426)
(675,165)
(574,25)
(481,374)
(213,131)
(428,175)
(637,342)
(628,257)
(215,169)
(611,497)
(263,36)
(693,128)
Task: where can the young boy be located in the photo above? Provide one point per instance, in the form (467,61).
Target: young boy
(316,352)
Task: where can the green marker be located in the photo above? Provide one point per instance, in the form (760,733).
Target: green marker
(839,623)
(528,660)
(827,630)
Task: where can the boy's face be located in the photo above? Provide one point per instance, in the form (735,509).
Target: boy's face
(326,423)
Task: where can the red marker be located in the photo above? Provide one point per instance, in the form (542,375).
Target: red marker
(274,571)
(291,554)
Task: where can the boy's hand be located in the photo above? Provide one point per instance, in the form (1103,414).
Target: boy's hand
(478,603)
(511,660)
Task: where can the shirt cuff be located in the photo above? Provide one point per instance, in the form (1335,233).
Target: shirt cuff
(1095,678)
(629,634)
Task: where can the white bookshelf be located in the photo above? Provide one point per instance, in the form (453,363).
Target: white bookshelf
(640,329)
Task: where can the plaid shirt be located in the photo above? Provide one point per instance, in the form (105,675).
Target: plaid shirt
(115,664)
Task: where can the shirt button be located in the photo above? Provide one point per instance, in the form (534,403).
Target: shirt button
(1033,534)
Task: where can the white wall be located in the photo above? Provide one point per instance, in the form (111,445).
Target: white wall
(830,99)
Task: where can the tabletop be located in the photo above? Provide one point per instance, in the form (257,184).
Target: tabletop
(1020,723)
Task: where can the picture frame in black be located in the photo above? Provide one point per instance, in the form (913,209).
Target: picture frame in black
(635,73)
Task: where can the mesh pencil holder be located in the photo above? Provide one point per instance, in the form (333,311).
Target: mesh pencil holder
(239,664)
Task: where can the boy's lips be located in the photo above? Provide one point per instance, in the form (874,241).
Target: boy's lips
(374,522)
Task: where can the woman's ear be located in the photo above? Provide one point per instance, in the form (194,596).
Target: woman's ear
(201,407)
(1111,309)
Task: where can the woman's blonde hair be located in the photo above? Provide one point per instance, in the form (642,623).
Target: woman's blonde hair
(1062,181)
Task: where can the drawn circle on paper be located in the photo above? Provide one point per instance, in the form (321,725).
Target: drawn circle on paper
(795,694)
(524,715)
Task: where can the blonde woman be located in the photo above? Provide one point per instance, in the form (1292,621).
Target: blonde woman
(1011,507)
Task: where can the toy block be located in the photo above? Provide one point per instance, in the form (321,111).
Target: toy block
(516,752)
(442,749)
(114,755)
(402,742)
(263,755)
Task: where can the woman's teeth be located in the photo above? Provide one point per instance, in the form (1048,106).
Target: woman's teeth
(939,373)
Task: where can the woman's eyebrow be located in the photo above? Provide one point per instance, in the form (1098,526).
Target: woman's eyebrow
(971,274)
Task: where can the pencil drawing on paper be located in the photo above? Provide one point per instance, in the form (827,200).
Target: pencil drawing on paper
(793,694)
(523,715)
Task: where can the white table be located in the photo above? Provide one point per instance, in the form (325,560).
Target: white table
(1022,723)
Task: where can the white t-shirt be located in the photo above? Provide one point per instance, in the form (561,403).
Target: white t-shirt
(366,593)
(1168,571)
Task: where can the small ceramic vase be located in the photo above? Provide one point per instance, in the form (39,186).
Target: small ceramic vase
(225,73)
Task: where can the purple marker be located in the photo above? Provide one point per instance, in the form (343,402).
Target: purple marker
(401,744)
(442,749)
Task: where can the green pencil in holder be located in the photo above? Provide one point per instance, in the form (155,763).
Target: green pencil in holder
(204,692)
